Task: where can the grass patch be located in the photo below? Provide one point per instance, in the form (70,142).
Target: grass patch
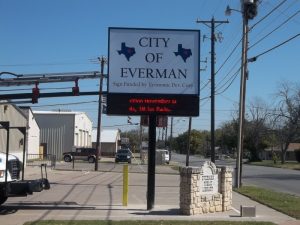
(285,203)
(270,163)
(144,222)
(175,167)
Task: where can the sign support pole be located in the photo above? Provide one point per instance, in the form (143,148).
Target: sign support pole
(151,162)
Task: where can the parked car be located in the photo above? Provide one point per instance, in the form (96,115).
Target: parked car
(164,153)
(123,155)
(167,156)
(80,153)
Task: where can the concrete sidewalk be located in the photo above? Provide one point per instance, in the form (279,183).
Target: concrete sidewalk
(83,195)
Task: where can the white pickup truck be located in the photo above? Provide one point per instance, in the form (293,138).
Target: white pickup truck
(11,184)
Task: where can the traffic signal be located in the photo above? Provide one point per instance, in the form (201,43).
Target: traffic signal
(35,94)
(75,90)
(250,8)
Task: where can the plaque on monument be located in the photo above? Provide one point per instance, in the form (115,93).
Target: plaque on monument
(208,182)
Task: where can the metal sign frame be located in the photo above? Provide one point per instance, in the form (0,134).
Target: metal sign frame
(183,89)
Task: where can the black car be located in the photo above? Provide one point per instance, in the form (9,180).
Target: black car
(88,154)
(123,155)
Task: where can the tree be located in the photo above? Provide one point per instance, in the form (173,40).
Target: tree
(256,128)
(197,142)
(286,120)
(228,137)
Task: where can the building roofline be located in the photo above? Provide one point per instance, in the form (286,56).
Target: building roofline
(17,108)
(58,112)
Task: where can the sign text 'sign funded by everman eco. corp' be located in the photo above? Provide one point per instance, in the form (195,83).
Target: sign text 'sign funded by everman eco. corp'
(153,85)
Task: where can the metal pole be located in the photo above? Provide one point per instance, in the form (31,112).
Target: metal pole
(187,162)
(6,127)
(141,136)
(151,162)
(98,144)
(125,185)
(23,131)
(171,138)
(166,134)
(242,103)
(212,129)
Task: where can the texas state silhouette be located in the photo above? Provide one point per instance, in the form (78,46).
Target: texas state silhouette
(126,51)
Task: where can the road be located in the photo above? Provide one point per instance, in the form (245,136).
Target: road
(282,180)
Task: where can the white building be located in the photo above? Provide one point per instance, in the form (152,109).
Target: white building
(60,131)
(33,132)
(110,141)
(19,118)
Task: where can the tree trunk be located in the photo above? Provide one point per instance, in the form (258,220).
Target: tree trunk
(283,155)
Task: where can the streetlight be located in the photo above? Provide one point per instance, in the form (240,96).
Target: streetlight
(249,11)
(228,10)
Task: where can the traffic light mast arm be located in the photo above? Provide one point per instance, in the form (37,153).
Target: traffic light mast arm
(29,79)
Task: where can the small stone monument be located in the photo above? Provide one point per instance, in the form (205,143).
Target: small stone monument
(205,189)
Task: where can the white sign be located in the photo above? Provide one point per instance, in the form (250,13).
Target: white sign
(208,179)
(153,61)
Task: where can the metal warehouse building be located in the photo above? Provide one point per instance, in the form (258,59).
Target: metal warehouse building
(60,131)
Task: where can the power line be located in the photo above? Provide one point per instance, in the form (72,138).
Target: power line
(233,78)
(45,64)
(274,30)
(219,83)
(273,48)
(91,61)
(63,104)
(205,85)
(263,29)
(289,6)
(236,46)
(229,99)
(268,14)
(233,50)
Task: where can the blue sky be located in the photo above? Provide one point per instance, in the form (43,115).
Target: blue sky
(39,36)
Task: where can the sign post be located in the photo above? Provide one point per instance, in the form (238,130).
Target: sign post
(151,163)
(153,72)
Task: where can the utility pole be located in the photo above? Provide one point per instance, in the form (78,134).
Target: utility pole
(98,144)
(249,11)
(242,102)
(212,23)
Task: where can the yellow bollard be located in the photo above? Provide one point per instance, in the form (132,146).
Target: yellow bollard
(125,185)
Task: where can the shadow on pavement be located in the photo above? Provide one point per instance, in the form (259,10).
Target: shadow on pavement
(11,208)
(169,212)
